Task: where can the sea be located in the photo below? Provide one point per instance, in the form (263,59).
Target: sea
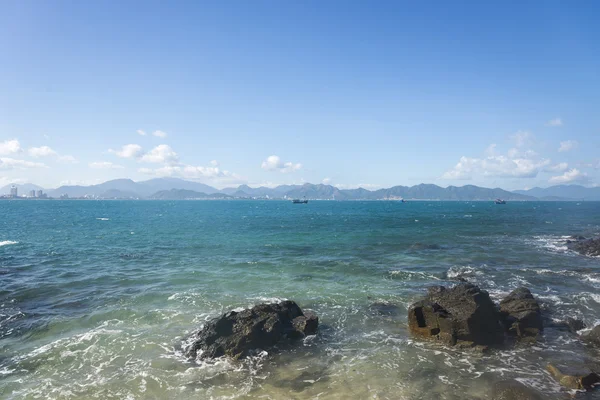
(97,298)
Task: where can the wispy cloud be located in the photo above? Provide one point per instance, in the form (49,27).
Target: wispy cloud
(568,145)
(141,132)
(11,163)
(42,151)
(160,134)
(555,122)
(104,165)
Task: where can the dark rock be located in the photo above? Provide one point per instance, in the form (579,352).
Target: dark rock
(238,334)
(462,315)
(521,314)
(573,377)
(384,308)
(573,325)
(586,247)
(514,390)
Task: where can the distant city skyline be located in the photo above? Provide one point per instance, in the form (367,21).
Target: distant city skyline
(347,94)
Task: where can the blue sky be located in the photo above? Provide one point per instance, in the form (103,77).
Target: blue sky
(264,92)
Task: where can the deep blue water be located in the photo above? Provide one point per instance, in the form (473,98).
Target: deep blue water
(96,296)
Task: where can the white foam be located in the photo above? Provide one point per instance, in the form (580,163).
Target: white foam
(103,219)
(7,242)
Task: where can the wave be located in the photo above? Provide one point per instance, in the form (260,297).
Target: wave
(7,242)
(103,219)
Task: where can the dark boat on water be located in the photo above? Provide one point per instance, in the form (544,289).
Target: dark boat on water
(300,201)
(500,201)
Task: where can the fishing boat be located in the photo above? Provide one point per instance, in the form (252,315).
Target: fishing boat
(300,201)
(500,201)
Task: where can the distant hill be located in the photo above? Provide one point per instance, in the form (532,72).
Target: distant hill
(130,189)
(176,189)
(182,194)
(21,188)
(563,192)
(420,192)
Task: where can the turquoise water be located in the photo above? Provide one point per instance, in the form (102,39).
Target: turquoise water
(97,296)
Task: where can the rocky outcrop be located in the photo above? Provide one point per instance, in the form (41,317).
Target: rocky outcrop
(587,247)
(574,377)
(593,336)
(573,325)
(239,334)
(514,390)
(463,315)
(521,314)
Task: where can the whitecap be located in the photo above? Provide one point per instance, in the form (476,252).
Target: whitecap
(7,242)
(103,219)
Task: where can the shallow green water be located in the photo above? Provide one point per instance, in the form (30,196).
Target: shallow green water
(96,296)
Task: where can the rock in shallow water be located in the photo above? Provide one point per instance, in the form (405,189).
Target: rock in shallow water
(462,315)
(514,390)
(238,334)
(521,314)
(587,247)
(573,377)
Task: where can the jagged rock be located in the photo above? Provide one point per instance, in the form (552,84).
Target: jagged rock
(593,336)
(462,315)
(521,314)
(238,334)
(573,377)
(514,390)
(573,325)
(587,247)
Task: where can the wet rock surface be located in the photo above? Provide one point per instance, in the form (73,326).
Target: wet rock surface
(239,334)
(514,390)
(521,314)
(593,336)
(463,315)
(586,247)
(574,376)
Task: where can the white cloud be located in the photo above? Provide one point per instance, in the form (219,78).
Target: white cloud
(560,167)
(162,153)
(511,166)
(11,163)
(555,122)
(491,150)
(128,151)
(214,163)
(160,134)
(141,132)
(573,175)
(68,159)
(523,138)
(104,165)
(568,145)
(43,151)
(326,181)
(212,173)
(274,163)
(9,147)
(512,153)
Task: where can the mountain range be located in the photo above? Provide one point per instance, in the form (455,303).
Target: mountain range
(179,189)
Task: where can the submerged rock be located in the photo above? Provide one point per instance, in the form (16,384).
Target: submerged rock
(384,308)
(238,334)
(586,247)
(463,315)
(521,314)
(514,390)
(574,377)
